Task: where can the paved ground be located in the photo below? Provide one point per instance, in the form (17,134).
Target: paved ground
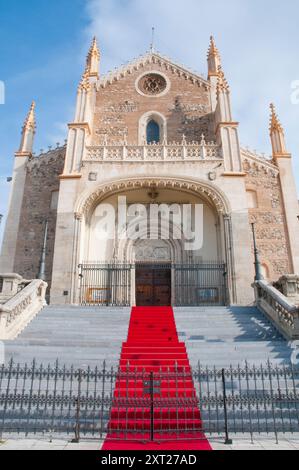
(240,443)
(88,336)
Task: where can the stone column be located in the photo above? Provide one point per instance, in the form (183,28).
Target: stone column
(75,294)
(9,246)
(291,207)
(65,240)
(230,263)
(242,253)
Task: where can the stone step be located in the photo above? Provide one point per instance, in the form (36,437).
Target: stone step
(88,336)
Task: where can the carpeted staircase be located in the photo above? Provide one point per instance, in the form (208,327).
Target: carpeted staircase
(154,357)
(86,336)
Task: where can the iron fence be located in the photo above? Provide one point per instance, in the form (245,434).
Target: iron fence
(148,405)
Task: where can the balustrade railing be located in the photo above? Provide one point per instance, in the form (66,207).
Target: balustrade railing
(21,309)
(154,152)
(280,310)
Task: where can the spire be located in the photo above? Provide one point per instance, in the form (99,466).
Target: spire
(222,84)
(277,134)
(214,59)
(30,119)
(93,59)
(28,132)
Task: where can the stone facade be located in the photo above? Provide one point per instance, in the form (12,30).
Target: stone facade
(268,215)
(152,127)
(186,107)
(39,204)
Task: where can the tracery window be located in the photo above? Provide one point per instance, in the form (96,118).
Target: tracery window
(152,84)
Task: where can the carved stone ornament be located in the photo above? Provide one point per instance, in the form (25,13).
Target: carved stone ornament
(152,84)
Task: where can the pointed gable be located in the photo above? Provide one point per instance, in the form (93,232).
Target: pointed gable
(155,59)
(153,88)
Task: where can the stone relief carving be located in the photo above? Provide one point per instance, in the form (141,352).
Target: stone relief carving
(125,107)
(189,108)
(108,120)
(112,131)
(148,250)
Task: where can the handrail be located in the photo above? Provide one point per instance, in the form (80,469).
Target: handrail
(282,312)
(21,309)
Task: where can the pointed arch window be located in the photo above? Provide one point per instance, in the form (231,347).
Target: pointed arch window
(153,132)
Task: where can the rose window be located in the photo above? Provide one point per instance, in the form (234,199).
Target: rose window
(152,84)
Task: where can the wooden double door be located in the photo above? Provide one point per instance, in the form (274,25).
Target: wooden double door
(153,285)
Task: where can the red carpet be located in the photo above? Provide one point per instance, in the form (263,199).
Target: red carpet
(153,347)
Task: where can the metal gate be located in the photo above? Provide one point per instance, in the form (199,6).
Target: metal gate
(202,284)
(105,284)
(186,284)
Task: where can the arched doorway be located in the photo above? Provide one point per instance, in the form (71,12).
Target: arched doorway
(205,273)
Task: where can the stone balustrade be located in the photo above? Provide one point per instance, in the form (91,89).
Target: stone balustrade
(18,312)
(154,152)
(288,285)
(278,308)
(10,285)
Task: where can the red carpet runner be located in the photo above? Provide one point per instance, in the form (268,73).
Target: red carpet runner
(153,347)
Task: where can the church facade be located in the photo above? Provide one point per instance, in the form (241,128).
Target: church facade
(151,133)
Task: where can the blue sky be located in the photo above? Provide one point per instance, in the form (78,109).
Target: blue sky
(43,46)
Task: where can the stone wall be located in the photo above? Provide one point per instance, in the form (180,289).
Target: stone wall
(39,205)
(186,107)
(268,215)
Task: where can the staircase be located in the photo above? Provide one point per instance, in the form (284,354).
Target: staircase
(88,336)
(74,335)
(221,336)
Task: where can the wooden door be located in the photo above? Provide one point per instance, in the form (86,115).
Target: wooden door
(153,286)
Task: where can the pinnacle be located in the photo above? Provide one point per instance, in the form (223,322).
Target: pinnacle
(222,84)
(275,124)
(213,51)
(30,119)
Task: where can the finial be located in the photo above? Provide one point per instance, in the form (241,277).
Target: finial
(213,51)
(277,135)
(93,58)
(275,124)
(214,59)
(93,51)
(222,84)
